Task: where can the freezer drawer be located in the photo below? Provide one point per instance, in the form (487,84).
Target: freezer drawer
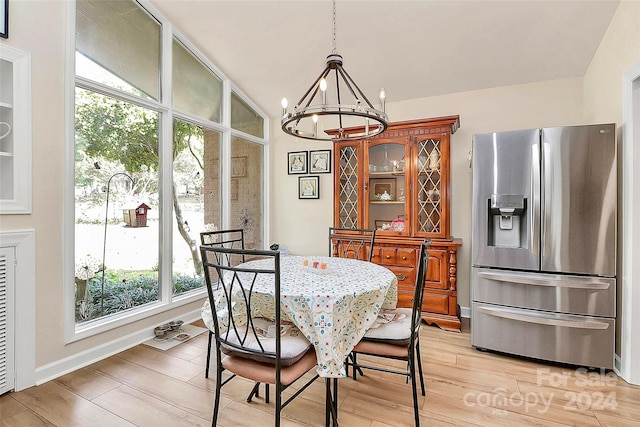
(590,296)
(577,340)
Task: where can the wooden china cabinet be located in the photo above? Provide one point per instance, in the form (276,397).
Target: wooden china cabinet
(398,182)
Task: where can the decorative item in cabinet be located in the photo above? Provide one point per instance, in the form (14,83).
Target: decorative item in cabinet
(15,131)
(410,162)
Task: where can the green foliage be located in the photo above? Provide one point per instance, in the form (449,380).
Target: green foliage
(122,294)
(183,283)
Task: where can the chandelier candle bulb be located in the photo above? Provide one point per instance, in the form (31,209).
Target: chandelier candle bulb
(284,103)
(383,97)
(323,89)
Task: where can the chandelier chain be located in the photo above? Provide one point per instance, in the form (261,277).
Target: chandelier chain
(335,50)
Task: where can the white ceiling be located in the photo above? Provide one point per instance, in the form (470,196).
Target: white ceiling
(413,49)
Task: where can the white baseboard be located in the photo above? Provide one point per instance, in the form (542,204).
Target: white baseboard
(79,360)
(465,312)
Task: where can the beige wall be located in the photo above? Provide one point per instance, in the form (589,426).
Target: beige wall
(619,49)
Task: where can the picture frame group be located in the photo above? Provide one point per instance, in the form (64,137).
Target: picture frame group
(303,162)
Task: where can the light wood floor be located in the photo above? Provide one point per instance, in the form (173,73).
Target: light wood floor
(147,387)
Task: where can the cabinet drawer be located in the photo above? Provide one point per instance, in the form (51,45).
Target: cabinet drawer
(397,256)
(435,303)
(406,276)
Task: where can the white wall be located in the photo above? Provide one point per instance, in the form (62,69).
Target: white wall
(302,224)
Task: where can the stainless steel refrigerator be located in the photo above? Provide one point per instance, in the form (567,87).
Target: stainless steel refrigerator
(544,244)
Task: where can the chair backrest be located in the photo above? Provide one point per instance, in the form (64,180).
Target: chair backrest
(421,275)
(231,239)
(354,243)
(230,290)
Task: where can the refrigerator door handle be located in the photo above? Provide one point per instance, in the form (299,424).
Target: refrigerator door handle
(564,282)
(535,212)
(582,324)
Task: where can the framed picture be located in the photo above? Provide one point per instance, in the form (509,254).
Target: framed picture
(238,167)
(309,187)
(297,162)
(4,19)
(320,161)
(378,186)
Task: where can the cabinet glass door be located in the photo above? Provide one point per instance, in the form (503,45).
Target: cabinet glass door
(15,131)
(387,193)
(347,188)
(428,185)
(6,127)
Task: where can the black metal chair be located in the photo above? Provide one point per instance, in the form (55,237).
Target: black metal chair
(234,239)
(354,243)
(396,335)
(265,351)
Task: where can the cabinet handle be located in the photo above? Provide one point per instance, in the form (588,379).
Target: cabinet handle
(401,276)
(404,258)
(388,256)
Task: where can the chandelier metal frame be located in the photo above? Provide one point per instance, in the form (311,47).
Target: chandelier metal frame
(298,122)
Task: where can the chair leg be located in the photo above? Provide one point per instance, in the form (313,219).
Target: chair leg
(424,393)
(216,406)
(255,391)
(414,389)
(354,363)
(278,407)
(206,372)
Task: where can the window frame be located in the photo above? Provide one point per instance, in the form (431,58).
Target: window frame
(167,301)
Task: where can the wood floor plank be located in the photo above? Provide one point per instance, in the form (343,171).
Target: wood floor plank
(24,418)
(184,395)
(87,383)
(481,415)
(61,407)
(607,420)
(143,410)
(10,406)
(162,362)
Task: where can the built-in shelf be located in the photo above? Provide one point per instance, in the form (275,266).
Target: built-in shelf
(15,131)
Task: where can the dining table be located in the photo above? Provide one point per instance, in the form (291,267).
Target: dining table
(331,300)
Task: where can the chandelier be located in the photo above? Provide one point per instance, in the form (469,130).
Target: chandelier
(324,105)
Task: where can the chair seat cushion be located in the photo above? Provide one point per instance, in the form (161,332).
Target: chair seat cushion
(293,344)
(265,372)
(392,326)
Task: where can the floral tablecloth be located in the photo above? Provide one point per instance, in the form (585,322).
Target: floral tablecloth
(332,307)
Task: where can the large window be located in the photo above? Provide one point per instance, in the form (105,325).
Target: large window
(196,199)
(136,234)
